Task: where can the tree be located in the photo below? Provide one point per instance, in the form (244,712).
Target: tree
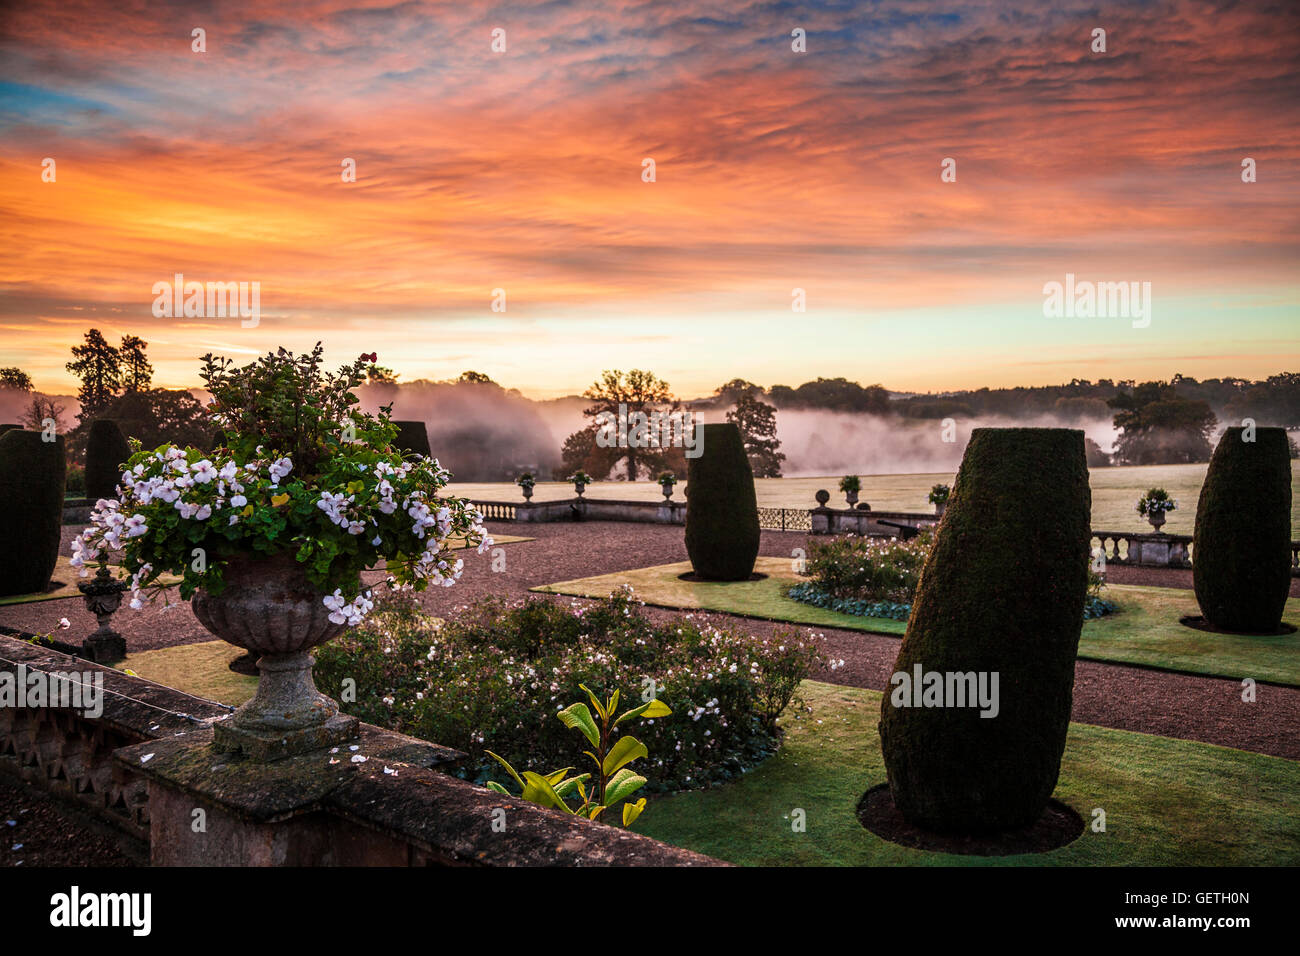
(155,417)
(41,408)
(733,391)
(1158,426)
(15,379)
(836,394)
(137,373)
(757,423)
(982,610)
(1242,544)
(722,532)
(99,366)
(33,473)
(616,394)
(475,378)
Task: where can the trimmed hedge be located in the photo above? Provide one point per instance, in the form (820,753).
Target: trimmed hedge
(1001,592)
(413,437)
(106,452)
(721,508)
(32,473)
(1241,558)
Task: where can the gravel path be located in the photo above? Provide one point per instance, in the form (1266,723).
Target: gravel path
(1129,698)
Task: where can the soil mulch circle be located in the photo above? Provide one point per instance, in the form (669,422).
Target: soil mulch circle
(692,576)
(1199,623)
(1058,826)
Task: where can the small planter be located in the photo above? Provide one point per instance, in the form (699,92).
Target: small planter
(579,487)
(851,497)
(103,596)
(667,488)
(269,608)
(1157,519)
(527,490)
(939,508)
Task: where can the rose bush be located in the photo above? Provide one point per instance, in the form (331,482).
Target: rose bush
(495,677)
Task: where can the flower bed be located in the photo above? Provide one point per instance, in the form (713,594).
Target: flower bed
(869,577)
(494,679)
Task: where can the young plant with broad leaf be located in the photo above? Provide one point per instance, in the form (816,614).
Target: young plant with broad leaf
(613,780)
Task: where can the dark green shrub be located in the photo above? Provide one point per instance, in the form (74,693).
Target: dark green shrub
(1002,592)
(31,486)
(1241,558)
(106,452)
(8,427)
(721,509)
(413,437)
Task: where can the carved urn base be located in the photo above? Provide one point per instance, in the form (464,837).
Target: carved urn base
(269,608)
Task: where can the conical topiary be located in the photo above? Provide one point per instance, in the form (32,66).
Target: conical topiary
(106,452)
(1001,593)
(721,509)
(1241,552)
(32,473)
(413,437)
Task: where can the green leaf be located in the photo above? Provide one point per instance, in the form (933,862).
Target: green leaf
(509,769)
(624,784)
(566,788)
(496,787)
(538,790)
(624,752)
(555,778)
(595,702)
(631,811)
(580,717)
(653,708)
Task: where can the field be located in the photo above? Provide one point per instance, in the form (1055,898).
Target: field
(1114,492)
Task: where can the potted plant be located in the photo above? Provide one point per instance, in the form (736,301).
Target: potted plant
(666,481)
(270,531)
(851,485)
(580,481)
(1154,505)
(526,482)
(938,497)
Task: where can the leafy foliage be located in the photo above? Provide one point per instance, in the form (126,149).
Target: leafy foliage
(613,782)
(477,682)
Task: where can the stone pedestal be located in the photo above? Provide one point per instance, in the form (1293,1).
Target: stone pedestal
(209,808)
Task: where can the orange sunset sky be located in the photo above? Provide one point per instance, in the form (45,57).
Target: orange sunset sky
(775,170)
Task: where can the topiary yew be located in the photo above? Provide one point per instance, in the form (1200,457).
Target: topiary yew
(721,508)
(413,437)
(1002,592)
(32,473)
(106,452)
(1241,559)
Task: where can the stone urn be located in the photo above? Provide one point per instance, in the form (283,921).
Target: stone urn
(579,487)
(103,596)
(851,497)
(270,609)
(527,490)
(1157,518)
(939,508)
(667,488)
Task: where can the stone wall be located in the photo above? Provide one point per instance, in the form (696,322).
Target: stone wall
(145,765)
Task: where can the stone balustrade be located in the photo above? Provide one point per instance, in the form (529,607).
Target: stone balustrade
(145,765)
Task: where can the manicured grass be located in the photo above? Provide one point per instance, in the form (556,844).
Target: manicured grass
(199,669)
(1167,802)
(1144,631)
(63,584)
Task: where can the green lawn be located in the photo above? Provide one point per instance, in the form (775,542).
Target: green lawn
(199,669)
(1167,802)
(1144,631)
(1114,492)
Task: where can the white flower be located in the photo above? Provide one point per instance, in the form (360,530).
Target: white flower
(203,471)
(238,501)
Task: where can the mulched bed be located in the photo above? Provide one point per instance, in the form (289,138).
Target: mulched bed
(1199,623)
(1057,827)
